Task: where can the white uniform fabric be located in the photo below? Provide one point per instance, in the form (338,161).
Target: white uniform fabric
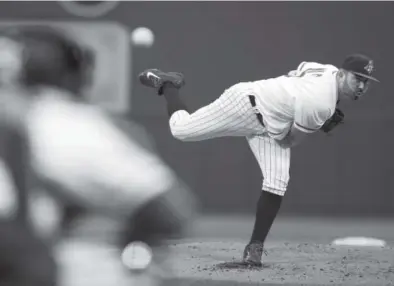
(78,148)
(306,97)
(229,115)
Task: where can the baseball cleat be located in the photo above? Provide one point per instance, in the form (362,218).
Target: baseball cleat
(156,78)
(253,253)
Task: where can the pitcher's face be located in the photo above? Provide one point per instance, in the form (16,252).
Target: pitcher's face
(353,86)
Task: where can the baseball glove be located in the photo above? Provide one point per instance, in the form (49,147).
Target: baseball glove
(336,119)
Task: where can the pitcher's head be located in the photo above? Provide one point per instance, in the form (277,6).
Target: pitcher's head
(355,76)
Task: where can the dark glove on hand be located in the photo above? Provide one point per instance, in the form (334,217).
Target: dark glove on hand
(336,119)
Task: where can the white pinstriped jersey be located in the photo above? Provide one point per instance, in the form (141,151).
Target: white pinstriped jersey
(305,97)
(78,148)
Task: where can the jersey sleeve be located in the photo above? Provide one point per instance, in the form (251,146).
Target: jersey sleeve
(302,66)
(310,68)
(310,117)
(299,69)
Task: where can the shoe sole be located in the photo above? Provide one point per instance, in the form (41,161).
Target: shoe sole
(158,81)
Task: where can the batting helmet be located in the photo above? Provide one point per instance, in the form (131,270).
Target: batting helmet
(46,55)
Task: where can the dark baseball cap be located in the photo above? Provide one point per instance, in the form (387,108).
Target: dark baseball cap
(360,65)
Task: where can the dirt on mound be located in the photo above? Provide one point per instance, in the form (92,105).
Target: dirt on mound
(285,263)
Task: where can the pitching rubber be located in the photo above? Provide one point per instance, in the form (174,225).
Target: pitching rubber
(359,241)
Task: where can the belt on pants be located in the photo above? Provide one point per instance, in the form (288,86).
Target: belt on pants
(258,114)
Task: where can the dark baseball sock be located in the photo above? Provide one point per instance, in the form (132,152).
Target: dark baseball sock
(174,101)
(267,209)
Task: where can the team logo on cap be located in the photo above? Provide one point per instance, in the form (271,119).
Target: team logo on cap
(369,67)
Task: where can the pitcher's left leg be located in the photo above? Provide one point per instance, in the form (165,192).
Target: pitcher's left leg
(231,114)
(274,162)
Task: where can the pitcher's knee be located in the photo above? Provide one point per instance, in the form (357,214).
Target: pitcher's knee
(182,135)
(274,191)
(180,126)
(278,188)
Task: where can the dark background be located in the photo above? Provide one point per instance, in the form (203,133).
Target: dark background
(217,44)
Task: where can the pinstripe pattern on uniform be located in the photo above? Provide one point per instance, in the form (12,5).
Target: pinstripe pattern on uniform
(274,161)
(229,115)
(233,115)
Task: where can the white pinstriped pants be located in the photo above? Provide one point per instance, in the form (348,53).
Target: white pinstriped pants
(233,115)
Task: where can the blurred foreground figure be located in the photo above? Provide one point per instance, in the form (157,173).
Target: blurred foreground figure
(77,150)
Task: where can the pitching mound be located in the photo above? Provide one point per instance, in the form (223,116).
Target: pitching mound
(216,263)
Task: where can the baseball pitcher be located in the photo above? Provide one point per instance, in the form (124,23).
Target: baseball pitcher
(274,115)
